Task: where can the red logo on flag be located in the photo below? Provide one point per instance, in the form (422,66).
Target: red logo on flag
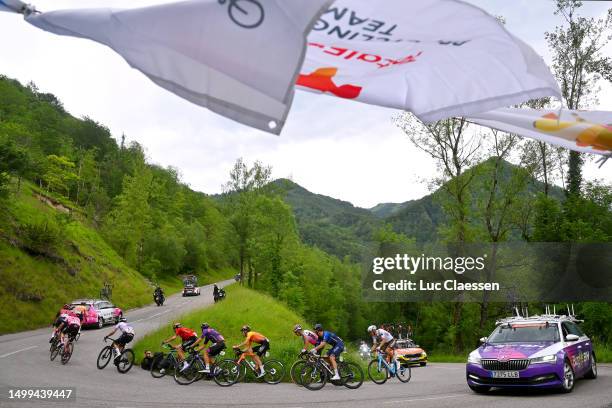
(321,80)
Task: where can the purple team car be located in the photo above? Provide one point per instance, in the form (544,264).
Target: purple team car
(547,351)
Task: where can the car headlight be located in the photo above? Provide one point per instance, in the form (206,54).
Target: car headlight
(474,358)
(544,359)
(423,354)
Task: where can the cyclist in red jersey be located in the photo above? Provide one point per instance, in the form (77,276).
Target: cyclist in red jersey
(187,336)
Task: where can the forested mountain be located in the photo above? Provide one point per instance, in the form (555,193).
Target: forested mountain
(384,210)
(333,225)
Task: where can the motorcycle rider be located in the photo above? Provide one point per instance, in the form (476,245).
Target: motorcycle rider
(159,293)
(215,293)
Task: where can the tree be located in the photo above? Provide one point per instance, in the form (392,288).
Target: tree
(128,223)
(59,174)
(578,64)
(241,191)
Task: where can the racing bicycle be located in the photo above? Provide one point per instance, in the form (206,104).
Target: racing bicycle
(63,347)
(317,372)
(124,360)
(379,370)
(274,369)
(225,372)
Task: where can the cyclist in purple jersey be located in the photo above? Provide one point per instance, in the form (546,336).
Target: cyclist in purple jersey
(218,344)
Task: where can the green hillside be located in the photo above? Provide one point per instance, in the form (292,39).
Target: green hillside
(48,257)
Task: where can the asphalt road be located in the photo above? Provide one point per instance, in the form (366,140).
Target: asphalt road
(24,362)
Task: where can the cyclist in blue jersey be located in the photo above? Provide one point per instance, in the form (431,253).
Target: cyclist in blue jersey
(336,344)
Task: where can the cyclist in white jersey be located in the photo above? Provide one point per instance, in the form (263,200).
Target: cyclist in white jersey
(382,340)
(127,333)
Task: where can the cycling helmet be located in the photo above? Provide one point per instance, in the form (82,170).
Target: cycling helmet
(205,326)
(122,319)
(246,328)
(371,328)
(177,325)
(297,328)
(66,306)
(318,327)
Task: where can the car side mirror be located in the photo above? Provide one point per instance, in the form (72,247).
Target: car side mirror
(571,337)
(483,340)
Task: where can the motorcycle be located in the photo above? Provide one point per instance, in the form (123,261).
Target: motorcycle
(159,299)
(220,295)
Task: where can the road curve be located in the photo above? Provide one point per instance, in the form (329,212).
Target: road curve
(24,361)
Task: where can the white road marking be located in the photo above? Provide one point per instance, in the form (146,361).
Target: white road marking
(18,351)
(421,399)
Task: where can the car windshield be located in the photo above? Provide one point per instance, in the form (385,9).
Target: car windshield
(525,333)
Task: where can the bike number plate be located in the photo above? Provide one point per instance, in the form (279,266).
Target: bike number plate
(504,374)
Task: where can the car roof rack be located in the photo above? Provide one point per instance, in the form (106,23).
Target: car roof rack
(549,315)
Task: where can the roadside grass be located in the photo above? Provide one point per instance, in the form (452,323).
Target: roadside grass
(603,352)
(242,306)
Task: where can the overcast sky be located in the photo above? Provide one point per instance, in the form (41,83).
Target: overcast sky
(331,146)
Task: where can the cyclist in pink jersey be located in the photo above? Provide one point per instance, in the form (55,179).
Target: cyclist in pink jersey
(70,327)
(309,337)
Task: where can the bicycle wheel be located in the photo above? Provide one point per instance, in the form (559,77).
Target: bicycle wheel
(55,351)
(156,370)
(404,373)
(226,373)
(313,377)
(126,361)
(104,357)
(352,374)
(378,373)
(186,376)
(275,371)
(295,371)
(67,353)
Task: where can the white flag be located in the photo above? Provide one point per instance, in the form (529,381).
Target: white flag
(239,58)
(587,132)
(435,58)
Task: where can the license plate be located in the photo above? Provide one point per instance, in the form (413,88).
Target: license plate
(504,374)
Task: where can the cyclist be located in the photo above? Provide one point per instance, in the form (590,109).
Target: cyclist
(127,334)
(263,345)
(60,319)
(188,337)
(309,337)
(382,340)
(337,347)
(70,327)
(217,346)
